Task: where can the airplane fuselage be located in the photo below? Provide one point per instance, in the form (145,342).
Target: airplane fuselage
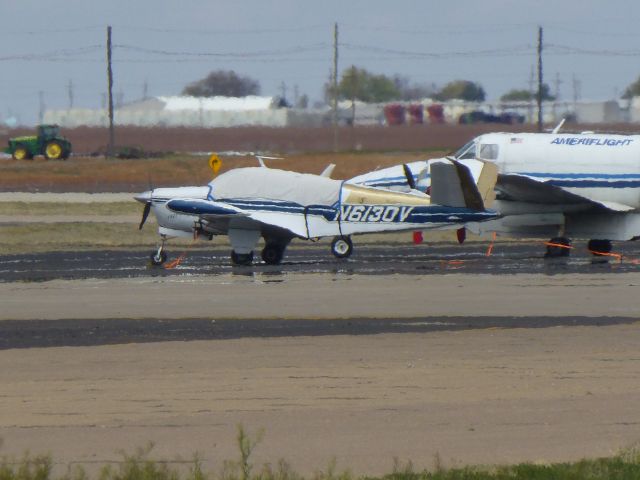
(395,212)
(602,167)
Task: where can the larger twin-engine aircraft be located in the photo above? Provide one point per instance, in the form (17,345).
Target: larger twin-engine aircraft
(279,205)
(556,185)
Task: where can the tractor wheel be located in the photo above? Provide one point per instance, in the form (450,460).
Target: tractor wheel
(21,153)
(53,151)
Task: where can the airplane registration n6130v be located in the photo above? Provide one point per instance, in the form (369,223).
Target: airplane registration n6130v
(278,205)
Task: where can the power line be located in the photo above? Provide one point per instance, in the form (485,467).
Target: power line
(64,52)
(218,31)
(495,52)
(260,53)
(568,50)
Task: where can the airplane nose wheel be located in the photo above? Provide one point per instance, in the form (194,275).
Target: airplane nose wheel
(158,258)
(342,247)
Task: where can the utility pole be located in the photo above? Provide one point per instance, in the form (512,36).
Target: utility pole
(334,87)
(539,79)
(110,147)
(575,84)
(532,82)
(283,92)
(145,90)
(556,93)
(70,92)
(42,107)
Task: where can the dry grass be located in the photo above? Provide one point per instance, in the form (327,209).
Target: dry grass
(66,208)
(94,174)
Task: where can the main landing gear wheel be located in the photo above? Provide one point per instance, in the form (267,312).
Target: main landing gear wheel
(241,258)
(272,254)
(558,247)
(342,247)
(599,246)
(158,258)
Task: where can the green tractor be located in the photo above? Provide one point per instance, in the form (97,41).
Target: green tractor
(48,142)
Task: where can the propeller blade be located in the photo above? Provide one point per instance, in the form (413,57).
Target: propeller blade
(145,214)
(409,176)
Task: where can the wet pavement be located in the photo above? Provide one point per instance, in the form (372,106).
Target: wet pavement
(506,258)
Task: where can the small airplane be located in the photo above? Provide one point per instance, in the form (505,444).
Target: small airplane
(279,205)
(550,185)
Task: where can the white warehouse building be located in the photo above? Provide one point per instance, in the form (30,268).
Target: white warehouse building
(177,111)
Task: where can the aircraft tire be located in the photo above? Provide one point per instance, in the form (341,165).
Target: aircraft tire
(241,258)
(272,254)
(342,247)
(561,248)
(599,246)
(158,259)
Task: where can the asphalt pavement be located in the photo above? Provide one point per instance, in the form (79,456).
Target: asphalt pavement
(379,259)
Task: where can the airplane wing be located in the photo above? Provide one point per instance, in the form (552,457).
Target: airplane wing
(220,216)
(524,188)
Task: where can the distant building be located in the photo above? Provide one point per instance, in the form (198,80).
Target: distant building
(207,112)
(217,112)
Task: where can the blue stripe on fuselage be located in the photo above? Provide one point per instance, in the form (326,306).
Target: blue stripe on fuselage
(417,214)
(587,180)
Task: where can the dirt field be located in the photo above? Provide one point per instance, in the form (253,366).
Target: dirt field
(275,140)
(408,138)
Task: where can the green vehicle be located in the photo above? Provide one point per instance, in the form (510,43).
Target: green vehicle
(48,142)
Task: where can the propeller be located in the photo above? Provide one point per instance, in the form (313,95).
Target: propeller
(409,176)
(145,214)
(145,198)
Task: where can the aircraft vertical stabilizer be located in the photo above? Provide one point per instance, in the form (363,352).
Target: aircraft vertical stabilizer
(487,183)
(452,184)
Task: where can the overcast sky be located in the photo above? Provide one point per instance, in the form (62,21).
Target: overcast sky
(46,44)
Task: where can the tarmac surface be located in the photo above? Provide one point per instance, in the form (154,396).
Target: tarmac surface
(432,259)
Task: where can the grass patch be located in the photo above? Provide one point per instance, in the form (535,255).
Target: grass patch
(74,236)
(140,466)
(67,208)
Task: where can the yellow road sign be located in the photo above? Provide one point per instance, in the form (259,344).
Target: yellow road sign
(215,163)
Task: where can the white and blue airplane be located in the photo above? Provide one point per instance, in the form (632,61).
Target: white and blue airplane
(556,185)
(278,205)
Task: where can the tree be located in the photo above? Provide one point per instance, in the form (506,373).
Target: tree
(517,95)
(359,84)
(462,90)
(223,83)
(409,91)
(632,90)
